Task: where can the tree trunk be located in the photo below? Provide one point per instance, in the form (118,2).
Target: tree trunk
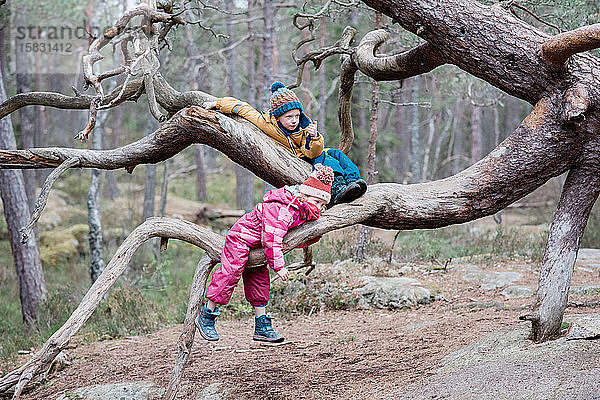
(476,135)
(164,191)
(454,146)
(199,149)
(402,153)
(248,201)
(365,232)
(415,154)
(112,187)
(268,37)
(322,78)
(200,172)
(150,179)
(93,204)
(27,115)
(241,174)
(26,256)
(580,192)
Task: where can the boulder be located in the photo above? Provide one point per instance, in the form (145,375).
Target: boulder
(391,293)
(506,365)
(115,391)
(515,292)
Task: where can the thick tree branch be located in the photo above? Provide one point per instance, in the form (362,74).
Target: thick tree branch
(415,61)
(486,41)
(242,141)
(558,49)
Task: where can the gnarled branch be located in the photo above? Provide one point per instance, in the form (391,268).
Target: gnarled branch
(416,61)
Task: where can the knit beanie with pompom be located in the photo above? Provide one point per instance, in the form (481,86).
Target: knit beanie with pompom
(282,100)
(318,183)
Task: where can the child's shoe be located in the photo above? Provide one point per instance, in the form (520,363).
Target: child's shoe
(352,192)
(206,323)
(263,331)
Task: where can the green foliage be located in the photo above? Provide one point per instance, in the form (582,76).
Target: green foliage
(460,241)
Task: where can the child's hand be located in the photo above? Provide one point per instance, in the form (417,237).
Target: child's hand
(284,274)
(312,129)
(209,105)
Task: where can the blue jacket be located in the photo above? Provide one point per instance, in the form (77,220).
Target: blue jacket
(339,162)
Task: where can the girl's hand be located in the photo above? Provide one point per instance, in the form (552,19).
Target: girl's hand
(312,129)
(284,274)
(209,105)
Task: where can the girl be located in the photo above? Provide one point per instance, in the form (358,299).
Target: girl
(266,225)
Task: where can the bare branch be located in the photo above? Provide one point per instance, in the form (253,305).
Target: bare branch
(43,197)
(83,135)
(558,49)
(532,14)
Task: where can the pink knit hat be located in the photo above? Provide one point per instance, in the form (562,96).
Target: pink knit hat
(318,183)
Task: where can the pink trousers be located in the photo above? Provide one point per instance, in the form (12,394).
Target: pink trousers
(243,235)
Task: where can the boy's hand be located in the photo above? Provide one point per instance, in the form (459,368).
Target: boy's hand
(312,129)
(209,105)
(284,274)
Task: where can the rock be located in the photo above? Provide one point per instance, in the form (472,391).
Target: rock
(515,292)
(116,391)
(218,391)
(391,292)
(505,365)
(491,280)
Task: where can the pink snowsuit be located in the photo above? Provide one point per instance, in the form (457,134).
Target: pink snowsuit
(265,225)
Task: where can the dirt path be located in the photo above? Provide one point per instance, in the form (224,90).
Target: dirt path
(341,355)
(338,355)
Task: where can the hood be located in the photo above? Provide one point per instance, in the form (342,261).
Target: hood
(280,195)
(284,196)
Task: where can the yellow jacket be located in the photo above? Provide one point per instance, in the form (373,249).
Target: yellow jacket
(299,143)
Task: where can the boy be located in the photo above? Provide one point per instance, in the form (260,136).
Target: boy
(287,124)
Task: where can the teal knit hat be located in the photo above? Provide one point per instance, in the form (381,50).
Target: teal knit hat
(282,100)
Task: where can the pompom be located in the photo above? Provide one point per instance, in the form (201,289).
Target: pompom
(276,85)
(324,174)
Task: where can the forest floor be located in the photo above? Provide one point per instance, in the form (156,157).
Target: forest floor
(357,354)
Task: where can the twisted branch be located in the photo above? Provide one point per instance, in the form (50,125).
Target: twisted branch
(416,61)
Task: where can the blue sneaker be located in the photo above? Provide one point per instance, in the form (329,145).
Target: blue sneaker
(263,331)
(206,323)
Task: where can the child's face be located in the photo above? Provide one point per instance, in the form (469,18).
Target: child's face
(320,203)
(290,119)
